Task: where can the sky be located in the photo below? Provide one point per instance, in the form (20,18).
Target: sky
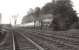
(19,8)
(10,8)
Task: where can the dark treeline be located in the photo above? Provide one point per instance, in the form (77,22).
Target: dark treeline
(64,17)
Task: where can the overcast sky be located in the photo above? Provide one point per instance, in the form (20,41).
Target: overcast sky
(20,7)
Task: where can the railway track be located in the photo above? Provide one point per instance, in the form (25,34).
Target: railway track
(6,40)
(74,35)
(30,44)
(3,35)
(38,40)
(70,36)
(20,42)
(56,40)
(63,41)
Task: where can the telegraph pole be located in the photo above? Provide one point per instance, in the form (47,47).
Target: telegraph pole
(15,19)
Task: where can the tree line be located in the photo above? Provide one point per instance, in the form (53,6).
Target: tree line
(64,16)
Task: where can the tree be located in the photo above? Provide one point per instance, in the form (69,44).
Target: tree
(36,12)
(30,12)
(48,8)
(64,15)
(37,17)
(29,17)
